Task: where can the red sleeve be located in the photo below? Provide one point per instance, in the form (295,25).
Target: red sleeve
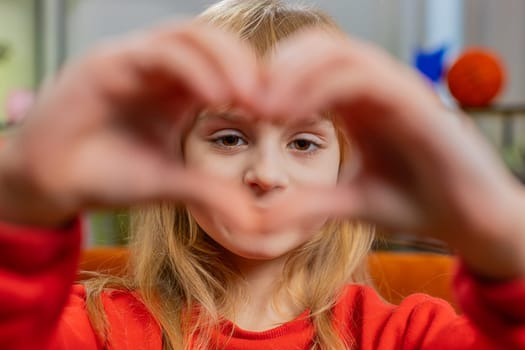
(494,318)
(37,268)
(496,309)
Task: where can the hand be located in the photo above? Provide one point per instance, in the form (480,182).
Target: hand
(419,167)
(107,130)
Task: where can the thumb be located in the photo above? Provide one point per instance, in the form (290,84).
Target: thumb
(229,200)
(313,203)
(376,203)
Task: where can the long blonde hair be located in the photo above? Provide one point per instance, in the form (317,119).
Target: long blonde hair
(180,272)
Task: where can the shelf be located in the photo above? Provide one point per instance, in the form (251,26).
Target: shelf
(504,111)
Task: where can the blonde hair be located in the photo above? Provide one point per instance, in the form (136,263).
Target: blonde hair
(179,271)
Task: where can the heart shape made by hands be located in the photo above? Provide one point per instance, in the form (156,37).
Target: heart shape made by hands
(415,165)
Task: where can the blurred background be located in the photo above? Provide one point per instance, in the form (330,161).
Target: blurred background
(38,36)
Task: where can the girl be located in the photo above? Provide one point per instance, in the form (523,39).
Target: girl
(256,257)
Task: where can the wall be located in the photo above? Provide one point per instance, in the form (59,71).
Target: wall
(17,68)
(501,26)
(92,20)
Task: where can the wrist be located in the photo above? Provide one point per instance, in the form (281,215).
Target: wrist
(497,250)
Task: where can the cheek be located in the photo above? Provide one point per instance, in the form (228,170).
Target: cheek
(198,156)
(205,220)
(218,166)
(320,171)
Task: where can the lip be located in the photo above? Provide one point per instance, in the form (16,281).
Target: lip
(267,200)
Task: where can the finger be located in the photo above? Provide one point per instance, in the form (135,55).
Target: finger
(234,60)
(293,69)
(306,56)
(312,203)
(299,74)
(228,200)
(330,83)
(328,89)
(372,102)
(188,57)
(183,65)
(144,67)
(149,177)
(380,205)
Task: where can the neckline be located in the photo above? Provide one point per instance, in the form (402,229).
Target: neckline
(298,324)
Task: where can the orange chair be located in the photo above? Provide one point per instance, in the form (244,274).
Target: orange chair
(394,274)
(399,274)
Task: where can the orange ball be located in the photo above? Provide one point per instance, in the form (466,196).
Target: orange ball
(476,77)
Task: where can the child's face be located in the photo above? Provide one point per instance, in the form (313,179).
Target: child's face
(269,159)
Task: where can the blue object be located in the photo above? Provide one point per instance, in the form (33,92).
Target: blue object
(430,63)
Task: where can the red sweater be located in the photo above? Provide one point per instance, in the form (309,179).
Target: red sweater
(39,310)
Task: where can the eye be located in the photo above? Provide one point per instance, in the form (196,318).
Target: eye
(304,145)
(228,140)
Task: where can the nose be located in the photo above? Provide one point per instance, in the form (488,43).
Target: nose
(266,172)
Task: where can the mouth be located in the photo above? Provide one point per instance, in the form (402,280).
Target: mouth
(267,200)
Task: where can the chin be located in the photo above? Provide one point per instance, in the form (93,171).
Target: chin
(258,249)
(267,246)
